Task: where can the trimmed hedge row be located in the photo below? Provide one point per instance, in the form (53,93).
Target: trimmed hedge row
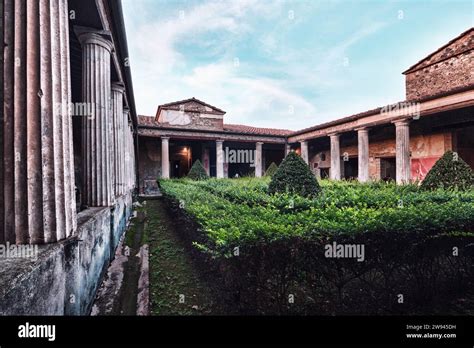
(408,235)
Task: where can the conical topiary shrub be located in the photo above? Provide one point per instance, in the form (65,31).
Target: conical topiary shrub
(450,171)
(197,171)
(272,168)
(294,176)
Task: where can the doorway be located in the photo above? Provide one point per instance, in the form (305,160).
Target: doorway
(388,167)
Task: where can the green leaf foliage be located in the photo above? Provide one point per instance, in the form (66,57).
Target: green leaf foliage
(294,176)
(197,172)
(271,169)
(449,172)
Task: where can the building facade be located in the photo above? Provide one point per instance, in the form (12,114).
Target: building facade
(395,142)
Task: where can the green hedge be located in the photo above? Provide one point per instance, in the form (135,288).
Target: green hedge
(408,234)
(293,176)
(449,172)
(197,171)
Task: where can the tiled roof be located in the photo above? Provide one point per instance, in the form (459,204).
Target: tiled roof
(148,121)
(256,130)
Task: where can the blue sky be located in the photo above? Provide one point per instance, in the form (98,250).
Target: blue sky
(283,64)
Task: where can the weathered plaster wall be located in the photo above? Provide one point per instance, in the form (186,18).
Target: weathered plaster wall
(451,68)
(149,166)
(63,280)
(191,114)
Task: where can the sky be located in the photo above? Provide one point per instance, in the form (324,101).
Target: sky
(287,64)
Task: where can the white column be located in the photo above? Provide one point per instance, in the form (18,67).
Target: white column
(335,157)
(165,158)
(258,160)
(304,151)
(363,149)
(403,161)
(219,159)
(287,149)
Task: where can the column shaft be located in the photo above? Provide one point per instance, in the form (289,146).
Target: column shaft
(335,157)
(117,137)
(58,104)
(219,159)
(258,160)
(403,162)
(304,151)
(33,134)
(363,151)
(19,122)
(287,149)
(165,160)
(8,227)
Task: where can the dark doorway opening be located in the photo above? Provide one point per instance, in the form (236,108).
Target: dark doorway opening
(388,168)
(351,169)
(324,172)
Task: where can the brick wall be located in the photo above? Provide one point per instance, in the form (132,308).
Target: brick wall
(450,68)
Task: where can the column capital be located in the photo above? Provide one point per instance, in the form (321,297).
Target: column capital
(259,142)
(401,122)
(165,138)
(303,141)
(362,129)
(91,36)
(335,134)
(219,141)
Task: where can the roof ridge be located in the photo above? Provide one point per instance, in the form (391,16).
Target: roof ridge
(412,68)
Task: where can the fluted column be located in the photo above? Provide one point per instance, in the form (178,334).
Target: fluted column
(117,136)
(219,159)
(335,157)
(258,160)
(403,161)
(165,158)
(304,151)
(124,148)
(38,194)
(363,151)
(8,227)
(96,137)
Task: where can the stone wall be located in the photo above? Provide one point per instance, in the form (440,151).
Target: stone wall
(64,278)
(450,68)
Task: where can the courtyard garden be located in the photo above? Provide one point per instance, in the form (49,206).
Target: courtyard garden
(326,247)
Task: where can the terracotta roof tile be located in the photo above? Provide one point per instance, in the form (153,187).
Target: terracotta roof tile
(148,121)
(256,130)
